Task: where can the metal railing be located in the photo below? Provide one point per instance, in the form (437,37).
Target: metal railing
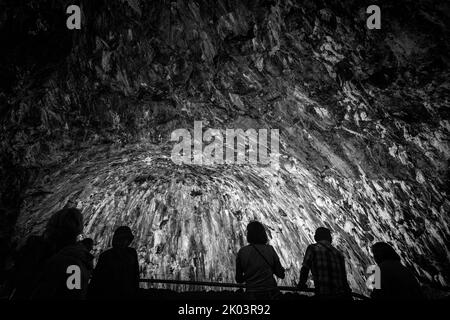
(235,285)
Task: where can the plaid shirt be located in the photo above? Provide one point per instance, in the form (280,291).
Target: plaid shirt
(327,266)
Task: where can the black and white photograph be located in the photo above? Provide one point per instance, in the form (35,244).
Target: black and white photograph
(225,158)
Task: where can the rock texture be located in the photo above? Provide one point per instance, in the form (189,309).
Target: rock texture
(363,118)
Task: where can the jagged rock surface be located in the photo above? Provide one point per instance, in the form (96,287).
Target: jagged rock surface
(363,119)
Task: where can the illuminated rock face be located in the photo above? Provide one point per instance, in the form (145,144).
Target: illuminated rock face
(363,121)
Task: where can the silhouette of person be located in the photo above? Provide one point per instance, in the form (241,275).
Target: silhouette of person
(396,281)
(62,231)
(327,266)
(256,264)
(116,275)
(88,243)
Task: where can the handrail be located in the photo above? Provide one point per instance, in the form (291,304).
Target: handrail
(235,285)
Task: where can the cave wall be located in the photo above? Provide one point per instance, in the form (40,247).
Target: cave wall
(86,118)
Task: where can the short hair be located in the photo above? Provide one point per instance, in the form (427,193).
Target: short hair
(322,233)
(383,251)
(256,233)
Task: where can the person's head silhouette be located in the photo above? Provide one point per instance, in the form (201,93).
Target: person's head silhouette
(322,234)
(382,252)
(256,233)
(122,237)
(64,226)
